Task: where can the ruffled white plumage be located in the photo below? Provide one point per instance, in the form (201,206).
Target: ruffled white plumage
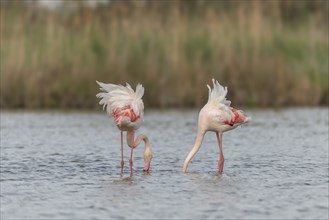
(217,100)
(218,93)
(118,97)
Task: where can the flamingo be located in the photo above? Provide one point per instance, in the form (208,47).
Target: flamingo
(126,107)
(218,116)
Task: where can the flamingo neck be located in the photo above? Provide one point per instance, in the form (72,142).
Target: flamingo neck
(195,149)
(134,143)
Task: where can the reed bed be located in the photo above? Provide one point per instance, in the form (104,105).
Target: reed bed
(52,59)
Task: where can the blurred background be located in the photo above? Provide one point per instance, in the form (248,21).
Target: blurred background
(268,53)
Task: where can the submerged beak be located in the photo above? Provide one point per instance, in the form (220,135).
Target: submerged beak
(147,166)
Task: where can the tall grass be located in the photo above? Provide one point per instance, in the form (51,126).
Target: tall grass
(51,60)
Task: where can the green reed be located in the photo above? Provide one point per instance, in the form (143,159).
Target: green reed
(50,60)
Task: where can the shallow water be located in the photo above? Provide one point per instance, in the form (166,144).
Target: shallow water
(66,165)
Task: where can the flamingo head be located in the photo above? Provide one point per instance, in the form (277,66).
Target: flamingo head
(147,166)
(147,159)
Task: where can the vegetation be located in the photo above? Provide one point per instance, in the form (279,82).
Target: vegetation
(268,53)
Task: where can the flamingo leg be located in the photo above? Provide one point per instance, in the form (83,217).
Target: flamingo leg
(131,155)
(221,155)
(122,162)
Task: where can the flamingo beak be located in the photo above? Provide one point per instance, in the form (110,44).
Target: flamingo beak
(147,166)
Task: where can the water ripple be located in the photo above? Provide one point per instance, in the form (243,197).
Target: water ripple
(67,166)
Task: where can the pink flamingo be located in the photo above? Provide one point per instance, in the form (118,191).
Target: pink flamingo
(218,116)
(127,109)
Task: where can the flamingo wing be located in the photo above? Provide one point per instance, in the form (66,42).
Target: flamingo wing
(225,114)
(122,100)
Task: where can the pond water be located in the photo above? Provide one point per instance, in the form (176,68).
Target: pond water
(66,165)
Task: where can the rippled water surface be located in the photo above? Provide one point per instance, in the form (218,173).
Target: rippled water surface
(66,165)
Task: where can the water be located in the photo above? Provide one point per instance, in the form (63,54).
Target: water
(66,165)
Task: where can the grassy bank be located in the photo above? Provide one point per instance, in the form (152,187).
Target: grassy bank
(51,60)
